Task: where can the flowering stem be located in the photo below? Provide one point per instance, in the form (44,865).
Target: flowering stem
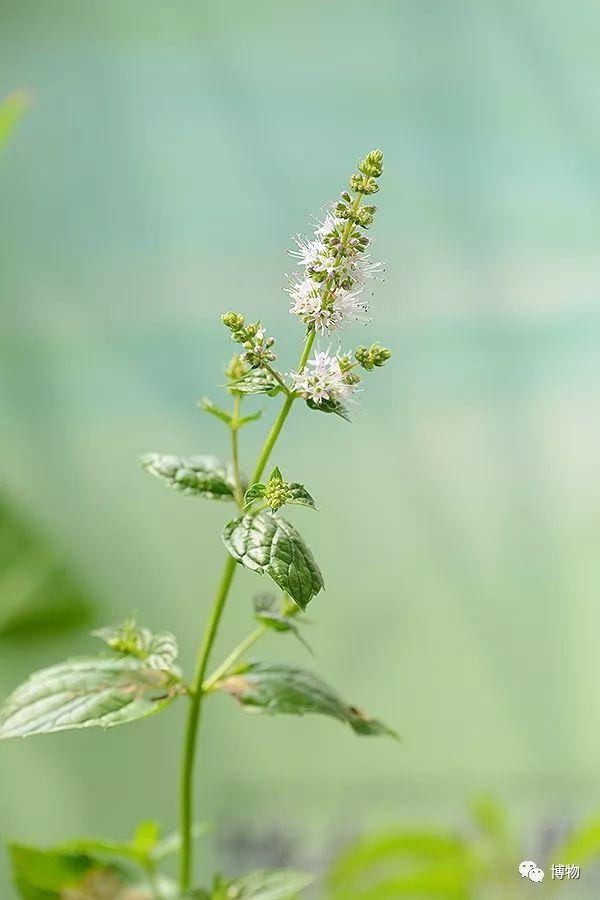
(197,692)
(238,491)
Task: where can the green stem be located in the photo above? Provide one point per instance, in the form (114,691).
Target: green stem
(193,720)
(233,657)
(210,633)
(235,419)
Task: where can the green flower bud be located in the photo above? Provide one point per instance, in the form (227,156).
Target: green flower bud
(363,184)
(277,491)
(373,357)
(372,164)
(232,320)
(365,215)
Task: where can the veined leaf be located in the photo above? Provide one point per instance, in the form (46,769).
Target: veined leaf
(159,650)
(87,692)
(256,381)
(255,492)
(277,884)
(287,690)
(299,496)
(210,407)
(268,544)
(330,406)
(266,612)
(200,476)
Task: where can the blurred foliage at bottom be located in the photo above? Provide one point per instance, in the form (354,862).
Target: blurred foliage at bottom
(477,861)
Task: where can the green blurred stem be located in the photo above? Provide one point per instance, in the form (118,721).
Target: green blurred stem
(197,694)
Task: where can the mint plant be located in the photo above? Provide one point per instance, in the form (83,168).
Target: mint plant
(137,675)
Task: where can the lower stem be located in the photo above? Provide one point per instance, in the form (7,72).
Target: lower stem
(193,721)
(197,693)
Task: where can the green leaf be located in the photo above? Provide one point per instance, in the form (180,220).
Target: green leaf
(582,846)
(87,692)
(159,650)
(39,595)
(278,884)
(287,690)
(255,492)
(268,544)
(330,406)
(404,864)
(11,110)
(200,476)
(299,496)
(57,875)
(210,407)
(256,381)
(251,417)
(265,611)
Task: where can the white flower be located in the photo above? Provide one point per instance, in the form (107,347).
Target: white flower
(322,379)
(327,295)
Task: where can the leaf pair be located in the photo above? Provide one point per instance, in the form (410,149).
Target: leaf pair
(222,414)
(277,492)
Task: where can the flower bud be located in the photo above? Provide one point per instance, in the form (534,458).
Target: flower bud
(363,184)
(373,357)
(372,164)
(232,320)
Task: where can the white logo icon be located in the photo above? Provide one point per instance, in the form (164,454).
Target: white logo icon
(529,869)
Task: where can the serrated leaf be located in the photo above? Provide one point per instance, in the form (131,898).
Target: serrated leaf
(212,408)
(199,476)
(268,544)
(288,690)
(160,650)
(277,884)
(299,496)
(255,492)
(84,693)
(330,406)
(256,381)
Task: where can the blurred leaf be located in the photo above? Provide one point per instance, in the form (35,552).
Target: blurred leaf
(55,875)
(172,842)
(210,407)
(330,406)
(251,417)
(403,864)
(266,885)
(200,476)
(287,690)
(38,595)
(581,846)
(11,110)
(268,544)
(84,693)
(256,381)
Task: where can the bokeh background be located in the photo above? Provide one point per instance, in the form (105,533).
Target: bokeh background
(168,152)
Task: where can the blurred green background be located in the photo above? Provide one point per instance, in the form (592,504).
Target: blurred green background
(169,151)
